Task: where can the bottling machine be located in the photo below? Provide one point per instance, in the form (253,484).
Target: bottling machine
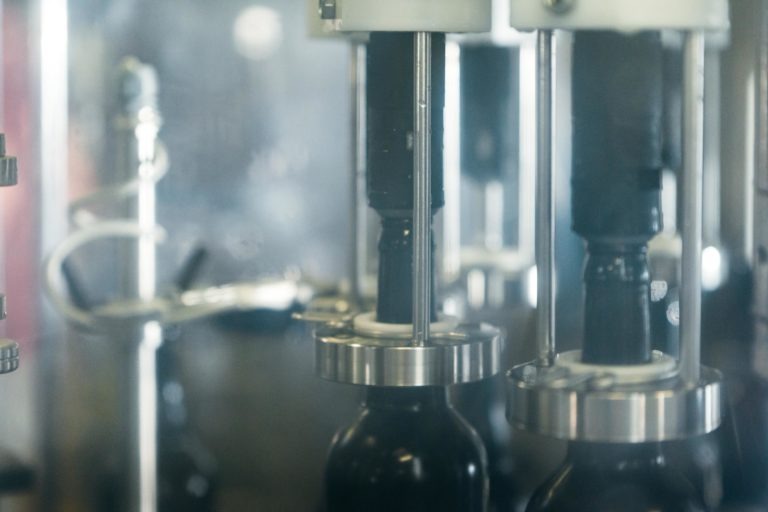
(466,255)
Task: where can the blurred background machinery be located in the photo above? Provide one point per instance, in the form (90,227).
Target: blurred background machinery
(179,376)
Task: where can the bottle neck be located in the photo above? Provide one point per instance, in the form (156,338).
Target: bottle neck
(617,456)
(394,303)
(617,304)
(406,399)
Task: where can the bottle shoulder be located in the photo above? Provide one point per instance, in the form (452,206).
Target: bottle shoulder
(421,440)
(636,488)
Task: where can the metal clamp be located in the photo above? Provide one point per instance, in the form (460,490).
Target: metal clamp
(593,407)
(464,354)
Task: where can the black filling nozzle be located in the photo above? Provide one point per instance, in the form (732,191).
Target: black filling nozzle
(616,185)
(390,119)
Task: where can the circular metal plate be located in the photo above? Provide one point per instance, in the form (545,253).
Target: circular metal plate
(553,402)
(468,354)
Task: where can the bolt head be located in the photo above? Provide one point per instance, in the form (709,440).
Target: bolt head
(327,9)
(559,6)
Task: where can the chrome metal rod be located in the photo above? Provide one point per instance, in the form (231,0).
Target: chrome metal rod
(693,182)
(139,139)
(761,147)
(545,206)
(142,420)
(760,286)
(358,233)
(422,200)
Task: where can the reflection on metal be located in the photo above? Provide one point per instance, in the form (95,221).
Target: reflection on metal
(545,205)
(54,119)
(593,407)
(693,183)
(358,230)
(460,355)
(760,293)
(142,424)
(422,186)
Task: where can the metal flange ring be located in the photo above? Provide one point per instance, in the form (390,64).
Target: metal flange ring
(467,354)
(553,402)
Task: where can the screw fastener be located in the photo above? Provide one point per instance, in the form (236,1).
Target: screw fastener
(559,6)
(328,9)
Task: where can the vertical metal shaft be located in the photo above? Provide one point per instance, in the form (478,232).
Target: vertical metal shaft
(141,357)
(358,233)
(422,206)
(138,155)
(493,220)
(760,287)
(545,206)
(693,180)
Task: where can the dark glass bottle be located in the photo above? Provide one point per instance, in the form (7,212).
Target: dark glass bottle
(601,477)
(186,469)
(409,450)
(482,404)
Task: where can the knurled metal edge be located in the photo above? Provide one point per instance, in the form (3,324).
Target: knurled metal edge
(9,173)
(587,410)
(9,356)
(470,354)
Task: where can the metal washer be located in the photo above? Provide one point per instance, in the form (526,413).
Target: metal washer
(552,402)
(467,354)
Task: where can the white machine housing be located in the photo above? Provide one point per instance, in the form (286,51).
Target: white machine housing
(620,15)
(411,15)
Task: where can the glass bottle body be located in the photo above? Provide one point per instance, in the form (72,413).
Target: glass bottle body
(410,451)
(601,477)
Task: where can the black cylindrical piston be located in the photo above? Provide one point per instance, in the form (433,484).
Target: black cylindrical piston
(617,135)
(616,186)
(617,308)
(389,89)
(390,123)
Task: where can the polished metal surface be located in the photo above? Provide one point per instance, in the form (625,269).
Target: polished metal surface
(141,360)
(138,87)
(9,355)
(545,205)
(469,353)
(693,184)
(8,166)
(559,6)
(760,257)
(422,199)
(358,246)
(552,402)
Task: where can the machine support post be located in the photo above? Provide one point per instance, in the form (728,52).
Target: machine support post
(545,206)
(358,246)
(422,200)
(693,174)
